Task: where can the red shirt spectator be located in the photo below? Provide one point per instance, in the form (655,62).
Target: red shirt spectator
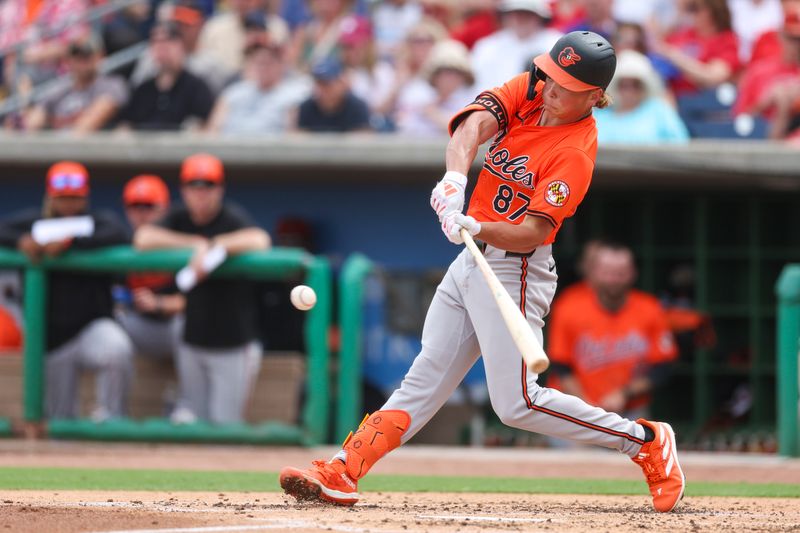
(706,52)
(475,26)
(762,77)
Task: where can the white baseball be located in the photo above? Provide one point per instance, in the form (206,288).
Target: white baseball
(303,297)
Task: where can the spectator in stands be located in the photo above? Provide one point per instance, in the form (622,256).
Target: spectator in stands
(174,98)
(152,306)
(187,17)
(751,19)
(393,20)
(428,111)
(611,344)
(567,14)
(410,62)
(769,86)
(598,17)
(706,52)
(332,106)
(22,20)
(80,332)
(371,79)
(127,27)
(508,52)
(263,101)
(478,20)
(89,102)
(217,355)
(639,113)
(318,39)
(770,43)
(224,35)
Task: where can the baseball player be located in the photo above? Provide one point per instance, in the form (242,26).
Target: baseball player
(535,174)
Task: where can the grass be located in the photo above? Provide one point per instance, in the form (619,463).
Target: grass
(12,478)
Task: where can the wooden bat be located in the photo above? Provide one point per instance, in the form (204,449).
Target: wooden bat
(518,326)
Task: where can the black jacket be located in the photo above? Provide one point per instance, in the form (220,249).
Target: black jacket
(74,299)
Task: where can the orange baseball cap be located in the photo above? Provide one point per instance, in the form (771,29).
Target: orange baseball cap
(146,189)
(67,178)
(202,167)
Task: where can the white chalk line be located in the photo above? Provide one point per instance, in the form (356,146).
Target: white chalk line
(467,518)
(281,524)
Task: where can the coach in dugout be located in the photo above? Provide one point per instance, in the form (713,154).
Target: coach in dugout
(80,331)
(218,355)
(610,344)
(152,305)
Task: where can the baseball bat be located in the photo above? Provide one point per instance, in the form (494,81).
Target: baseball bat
(521,332)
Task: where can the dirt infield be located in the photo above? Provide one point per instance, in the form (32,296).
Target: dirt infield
(72,512)
(118,511)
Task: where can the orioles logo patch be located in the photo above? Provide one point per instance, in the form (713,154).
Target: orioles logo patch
(557,193)
(568,57)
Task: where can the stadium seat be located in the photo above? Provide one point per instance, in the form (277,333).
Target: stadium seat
(708,115)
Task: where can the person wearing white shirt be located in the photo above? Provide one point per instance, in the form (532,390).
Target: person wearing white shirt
(752,18)
(509,51)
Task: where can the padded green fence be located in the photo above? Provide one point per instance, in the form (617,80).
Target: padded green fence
(275,264)
(788,292)
(351,295)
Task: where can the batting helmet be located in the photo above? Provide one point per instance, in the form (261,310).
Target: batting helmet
(579,61)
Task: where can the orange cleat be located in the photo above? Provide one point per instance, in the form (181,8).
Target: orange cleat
(659,462)
(324,481)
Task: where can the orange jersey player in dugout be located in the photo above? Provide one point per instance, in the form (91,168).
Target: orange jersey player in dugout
(530,170)
(606,350)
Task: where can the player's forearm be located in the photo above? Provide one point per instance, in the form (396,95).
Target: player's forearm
(520,238)
(244,240)
(150,237)
(476,129)
(462,148)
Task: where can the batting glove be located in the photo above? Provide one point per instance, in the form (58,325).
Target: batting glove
(452,224)
(448,195)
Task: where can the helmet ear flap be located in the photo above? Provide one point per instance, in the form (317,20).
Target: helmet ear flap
(535,75)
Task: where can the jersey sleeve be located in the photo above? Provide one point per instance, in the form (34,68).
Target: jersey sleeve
(561,186)
(661,338)
(502,102)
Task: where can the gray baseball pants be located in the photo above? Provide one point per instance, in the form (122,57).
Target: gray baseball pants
(464,322)
(101,346)
(215,383)
(151,338)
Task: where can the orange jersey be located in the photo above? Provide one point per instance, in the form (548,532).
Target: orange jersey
(607,350)
(530,170)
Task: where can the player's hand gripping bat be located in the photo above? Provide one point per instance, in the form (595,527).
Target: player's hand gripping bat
(518,326)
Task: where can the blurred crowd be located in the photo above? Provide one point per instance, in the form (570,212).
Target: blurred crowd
(687,68)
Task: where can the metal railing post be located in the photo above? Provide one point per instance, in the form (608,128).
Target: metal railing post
(788,345)
(351,296)
(35,310)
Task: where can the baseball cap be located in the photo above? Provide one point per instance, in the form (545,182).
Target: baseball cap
(327,69)
(202,168)
(354,31)
(186,12)
(538,7)
(67,178)
(146,189)
(85,46)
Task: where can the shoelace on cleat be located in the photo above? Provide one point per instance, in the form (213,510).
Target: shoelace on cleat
(652,472)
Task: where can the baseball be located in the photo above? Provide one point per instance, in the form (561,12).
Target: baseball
(303,297)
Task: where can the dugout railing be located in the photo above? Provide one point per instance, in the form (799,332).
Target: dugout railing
(788,346)
(277,263)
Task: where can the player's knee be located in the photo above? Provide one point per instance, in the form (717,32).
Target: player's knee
(110,345)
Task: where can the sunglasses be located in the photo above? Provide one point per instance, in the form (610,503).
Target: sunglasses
(61,182)
(630,84)
(200,184)
(141,206)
